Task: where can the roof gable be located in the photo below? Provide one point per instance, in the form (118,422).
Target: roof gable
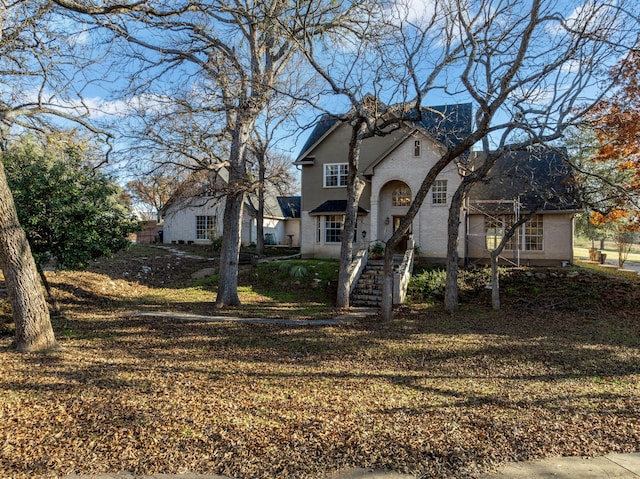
(448,124)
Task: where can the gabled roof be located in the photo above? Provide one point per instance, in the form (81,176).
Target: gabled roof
(200,183)
(411,133)
(335,207)
(448,124)
(538,177)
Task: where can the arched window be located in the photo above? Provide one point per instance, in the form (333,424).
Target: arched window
(401,196)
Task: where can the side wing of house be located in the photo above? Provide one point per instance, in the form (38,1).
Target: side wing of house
(193,220)
(522,182)
(545,240)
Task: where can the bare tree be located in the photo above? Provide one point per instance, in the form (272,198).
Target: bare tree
(273,166)
(154,189)
(38,74)
(373,67)
(528,67)
(234,53)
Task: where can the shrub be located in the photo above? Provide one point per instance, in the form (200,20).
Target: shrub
(377,250)
(216,244)
(427,285)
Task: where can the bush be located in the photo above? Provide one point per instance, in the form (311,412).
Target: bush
(427,285)
(216,244)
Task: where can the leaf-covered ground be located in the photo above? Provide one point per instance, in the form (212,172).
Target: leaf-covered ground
(556,372)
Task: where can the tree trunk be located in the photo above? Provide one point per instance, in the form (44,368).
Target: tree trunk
(453,235)
(355,186)
(451,294)
(386,308)
(495,281)
(232,220)
(260,218)
(30,313)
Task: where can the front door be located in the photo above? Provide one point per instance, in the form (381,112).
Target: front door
(401,247)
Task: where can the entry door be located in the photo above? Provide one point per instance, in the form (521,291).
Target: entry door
(402,244)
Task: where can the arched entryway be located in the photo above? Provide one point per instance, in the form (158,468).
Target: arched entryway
(394,201)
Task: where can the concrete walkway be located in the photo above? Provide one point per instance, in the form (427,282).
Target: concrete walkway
(612,466)
(352,314)
(618,466)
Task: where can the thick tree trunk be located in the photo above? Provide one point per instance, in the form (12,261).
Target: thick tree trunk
(230,252)
(451,294)
(453,234)
(260,217)
(232,220)
(30,313)
(355,187)
(386,308)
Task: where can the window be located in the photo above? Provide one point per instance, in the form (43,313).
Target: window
(528,238)
(336,175)
(333,229)
(439,192)
(205,227)
(318,229)
(494,228)
(417,144)
(401,196)
(532,235)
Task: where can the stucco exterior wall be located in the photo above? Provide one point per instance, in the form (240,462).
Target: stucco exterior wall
(292,227)
(335,149)
(557,241)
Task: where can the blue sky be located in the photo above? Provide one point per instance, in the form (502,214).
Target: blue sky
(106,106)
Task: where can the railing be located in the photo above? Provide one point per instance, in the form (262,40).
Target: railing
(358,263)
(402,275)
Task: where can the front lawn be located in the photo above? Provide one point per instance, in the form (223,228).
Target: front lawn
(556,372)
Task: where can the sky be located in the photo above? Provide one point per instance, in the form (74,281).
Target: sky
(98,83)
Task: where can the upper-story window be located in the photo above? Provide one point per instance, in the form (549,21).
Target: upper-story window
(336,175)
(401,196)
(417,147)
(439,192)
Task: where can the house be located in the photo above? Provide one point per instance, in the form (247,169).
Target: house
(393,167)
(194,213)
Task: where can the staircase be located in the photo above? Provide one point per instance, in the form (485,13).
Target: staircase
(368,289)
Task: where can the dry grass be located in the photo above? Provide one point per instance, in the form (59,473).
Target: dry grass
(428,393)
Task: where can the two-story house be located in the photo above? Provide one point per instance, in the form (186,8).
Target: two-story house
(393,167)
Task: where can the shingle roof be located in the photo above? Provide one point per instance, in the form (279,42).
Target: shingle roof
(290,206)
(447,123)
(538,178)
(335,206)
